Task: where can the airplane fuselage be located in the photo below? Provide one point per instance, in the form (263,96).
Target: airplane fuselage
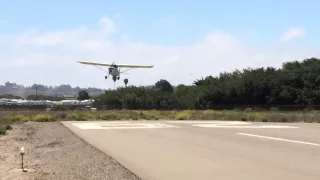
(114,72)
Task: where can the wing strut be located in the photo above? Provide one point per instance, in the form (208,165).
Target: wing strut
(126,70)
(102,69)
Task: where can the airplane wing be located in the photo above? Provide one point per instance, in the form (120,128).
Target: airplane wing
(94,64)
(133,66)
(119,65)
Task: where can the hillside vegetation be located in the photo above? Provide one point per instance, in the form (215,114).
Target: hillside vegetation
(12,90)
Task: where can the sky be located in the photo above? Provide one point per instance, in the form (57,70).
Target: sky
(41,42)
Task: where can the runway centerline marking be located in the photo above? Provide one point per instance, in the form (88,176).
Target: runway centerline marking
(280,139)
(124,125)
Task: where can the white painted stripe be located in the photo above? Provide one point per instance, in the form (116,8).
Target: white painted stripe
(108,125)
(191,122)
(115,122)
(280,139)
(209,122)
(245,127)
(230,124)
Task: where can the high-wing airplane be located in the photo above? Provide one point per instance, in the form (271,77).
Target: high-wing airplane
(114,69)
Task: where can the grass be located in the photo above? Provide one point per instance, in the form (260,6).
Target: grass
(7,118)
(5,128)
(273,115)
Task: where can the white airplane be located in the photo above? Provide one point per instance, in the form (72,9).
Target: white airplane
(114,69)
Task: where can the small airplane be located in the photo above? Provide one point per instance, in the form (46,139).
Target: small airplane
(114,69)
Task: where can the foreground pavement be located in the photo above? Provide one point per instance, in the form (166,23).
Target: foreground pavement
(190,150)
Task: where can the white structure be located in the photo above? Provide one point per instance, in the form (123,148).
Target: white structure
(24,102)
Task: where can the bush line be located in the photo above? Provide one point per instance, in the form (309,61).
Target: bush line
(246,115)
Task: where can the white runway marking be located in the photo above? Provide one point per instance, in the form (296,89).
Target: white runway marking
(280,139)
(123,125)
(245,127)
(230,124)
(208,122)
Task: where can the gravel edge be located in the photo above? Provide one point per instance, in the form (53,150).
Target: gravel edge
(54,152)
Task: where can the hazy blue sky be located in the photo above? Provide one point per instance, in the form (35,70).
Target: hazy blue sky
(40,41)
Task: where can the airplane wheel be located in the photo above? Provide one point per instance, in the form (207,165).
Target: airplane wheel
(118,78)
(106,77)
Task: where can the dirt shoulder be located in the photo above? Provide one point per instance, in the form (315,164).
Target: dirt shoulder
(54,152)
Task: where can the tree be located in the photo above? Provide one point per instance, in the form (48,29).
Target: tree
(164,85)
(9,84)
(296,83)
(83,95)
(125,82)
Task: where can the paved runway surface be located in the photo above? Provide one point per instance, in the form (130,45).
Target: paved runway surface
(192,150)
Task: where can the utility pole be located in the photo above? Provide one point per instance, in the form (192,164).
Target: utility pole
(36,93)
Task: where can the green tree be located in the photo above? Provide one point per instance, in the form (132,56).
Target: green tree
(296,83)
(83,95)
(164,85)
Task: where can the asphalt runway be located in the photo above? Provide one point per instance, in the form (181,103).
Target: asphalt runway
(222,150)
